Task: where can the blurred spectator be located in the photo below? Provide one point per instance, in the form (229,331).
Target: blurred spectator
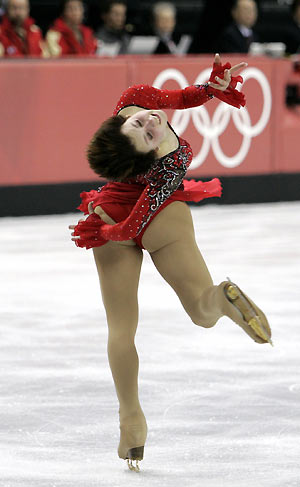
(164,23)
(211,24)
(68,35)
(19,36)
(112,32)
(1,8)
(238,36)
(292,37)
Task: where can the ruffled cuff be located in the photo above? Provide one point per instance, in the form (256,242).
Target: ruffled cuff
(86,198)
(231,95)
(89,232)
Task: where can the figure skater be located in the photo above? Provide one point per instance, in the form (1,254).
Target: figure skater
(143,207)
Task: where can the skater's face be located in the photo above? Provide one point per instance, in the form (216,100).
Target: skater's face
(146,129)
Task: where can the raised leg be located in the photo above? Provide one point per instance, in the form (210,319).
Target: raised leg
(176,256)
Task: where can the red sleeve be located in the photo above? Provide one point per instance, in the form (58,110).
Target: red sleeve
(153,98)
(192,96)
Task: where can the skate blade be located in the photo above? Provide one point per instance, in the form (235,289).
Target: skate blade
(259,329)
(131,466)
(244,306)
(135,455)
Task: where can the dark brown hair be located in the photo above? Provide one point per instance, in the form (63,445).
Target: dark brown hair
(107,6)
(113,156)
(63,3)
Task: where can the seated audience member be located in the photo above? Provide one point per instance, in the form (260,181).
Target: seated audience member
(292,37)
(68,36)
(238,36)
(1,8)
(164,23)
(19,36)
(113,32)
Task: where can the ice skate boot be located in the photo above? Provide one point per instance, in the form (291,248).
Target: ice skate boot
(254,321)
(132,441)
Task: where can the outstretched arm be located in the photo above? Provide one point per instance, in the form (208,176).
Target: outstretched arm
(221,84)
(153,98)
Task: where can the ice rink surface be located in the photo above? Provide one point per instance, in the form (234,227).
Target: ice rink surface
(222,410)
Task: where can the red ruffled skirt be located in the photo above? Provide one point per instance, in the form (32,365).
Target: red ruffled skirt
(118,199)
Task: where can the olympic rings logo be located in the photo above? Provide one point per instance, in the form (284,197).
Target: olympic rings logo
(211,129)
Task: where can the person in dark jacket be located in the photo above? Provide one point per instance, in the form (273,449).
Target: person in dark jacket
(164,23)
(2,10)
(113,31)
(238,36)
(292,35)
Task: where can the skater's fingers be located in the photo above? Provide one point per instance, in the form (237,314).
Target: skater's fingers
(237,67)
(90,207)
(218,86)
(71,227)
(227,76)
(217,58)
(214,85)
(221,81)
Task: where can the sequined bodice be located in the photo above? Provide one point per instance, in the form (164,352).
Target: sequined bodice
(167,174)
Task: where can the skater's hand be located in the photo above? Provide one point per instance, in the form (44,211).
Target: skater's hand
(97,211)
(101,213)
(223,83)
(71,227)
(90,208)
(104,217)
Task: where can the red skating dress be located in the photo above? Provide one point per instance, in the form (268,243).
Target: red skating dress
(133,203)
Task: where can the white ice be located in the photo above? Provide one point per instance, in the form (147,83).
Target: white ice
(222,410)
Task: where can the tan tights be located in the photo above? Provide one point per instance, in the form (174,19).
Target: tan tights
(171,243)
